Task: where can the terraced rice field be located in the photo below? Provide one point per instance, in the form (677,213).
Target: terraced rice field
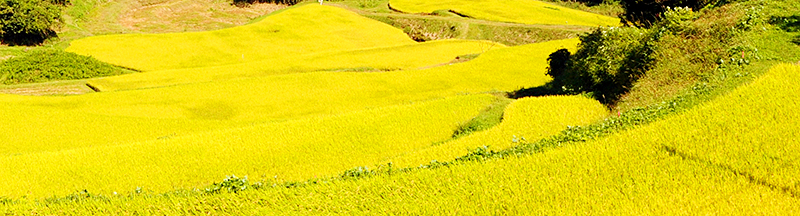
(405,57)
(636,172)
(263,121)
(272,151)
(307,101)
(525,120)
(515,11)
(300,31)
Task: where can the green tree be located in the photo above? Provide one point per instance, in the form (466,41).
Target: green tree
(28,22)
(645,13)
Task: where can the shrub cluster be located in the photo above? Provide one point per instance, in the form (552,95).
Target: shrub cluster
(46,65)
(646,13)
(610,60)
(29,22)
(607,63)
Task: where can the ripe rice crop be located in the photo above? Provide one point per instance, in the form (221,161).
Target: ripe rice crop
(517,11)
(282,97)
(293,150)
(527,119)
(42,127)
(412,56)
(649,170)
(34,124)
(295,31)
(754,131)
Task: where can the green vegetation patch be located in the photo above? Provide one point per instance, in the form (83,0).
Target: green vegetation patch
(488,118)
(48,65)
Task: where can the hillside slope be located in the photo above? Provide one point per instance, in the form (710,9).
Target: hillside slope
(645,171)
(295,31)
(404,57)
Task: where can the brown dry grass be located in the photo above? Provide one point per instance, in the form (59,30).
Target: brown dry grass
(52,88)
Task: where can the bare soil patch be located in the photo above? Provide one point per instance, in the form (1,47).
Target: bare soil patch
(164,16)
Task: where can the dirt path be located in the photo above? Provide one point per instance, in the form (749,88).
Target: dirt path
(44,89)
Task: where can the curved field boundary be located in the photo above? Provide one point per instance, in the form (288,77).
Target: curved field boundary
(283,97)
(412,56)
(109,118)
(517,11)
(294,150)
(525,120)
(295,31)
(656,169)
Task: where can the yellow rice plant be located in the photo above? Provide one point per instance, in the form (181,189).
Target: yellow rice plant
(709,160)
(293,150)
(715,159)
(517,11)
(525,120)
(295,31)
(283,97)
(754,131)
(33,124)
(413,56)
(38,128)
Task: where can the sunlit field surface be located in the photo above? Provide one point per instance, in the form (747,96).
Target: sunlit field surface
(525,120)
(161,130)
(404,57)
(659,169)
(292,150)
(291,32)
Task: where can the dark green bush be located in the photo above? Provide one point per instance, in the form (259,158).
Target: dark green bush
(608,62)
(645,13)
(48,65)
(558,65)
(28,22)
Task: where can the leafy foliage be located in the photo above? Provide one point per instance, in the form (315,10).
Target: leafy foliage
(610,61)
(233,184)
(28,22)
(645,13)
(607,63)
(47,65)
